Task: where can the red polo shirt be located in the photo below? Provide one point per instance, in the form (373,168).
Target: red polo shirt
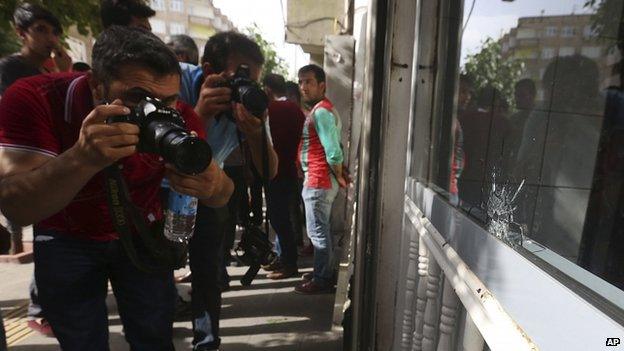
(43,114)
(286,124)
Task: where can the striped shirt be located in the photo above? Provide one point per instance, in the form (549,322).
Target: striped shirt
(320,146)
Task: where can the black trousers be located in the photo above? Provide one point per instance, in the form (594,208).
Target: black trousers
(72,276)
(282,196)
(3,344)
(206,261)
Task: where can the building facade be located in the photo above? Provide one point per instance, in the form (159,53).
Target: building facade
(536,41)
(196,18)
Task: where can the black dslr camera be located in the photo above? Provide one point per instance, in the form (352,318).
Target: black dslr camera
(247,92)
(253,250)
(163,132)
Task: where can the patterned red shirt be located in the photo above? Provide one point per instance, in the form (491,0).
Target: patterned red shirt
(44,114)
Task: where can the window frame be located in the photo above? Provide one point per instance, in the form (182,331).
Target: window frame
(439,97)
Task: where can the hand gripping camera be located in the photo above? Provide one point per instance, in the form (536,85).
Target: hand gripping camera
(247,91)
(163,132)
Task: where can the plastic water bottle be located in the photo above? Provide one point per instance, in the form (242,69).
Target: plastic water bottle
(180,216)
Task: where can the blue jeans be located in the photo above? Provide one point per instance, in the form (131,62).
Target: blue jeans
(72,277)
(318,205)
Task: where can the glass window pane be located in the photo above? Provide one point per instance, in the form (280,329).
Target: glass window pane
(534,148)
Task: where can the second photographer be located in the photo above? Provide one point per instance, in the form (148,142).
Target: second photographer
(223,93)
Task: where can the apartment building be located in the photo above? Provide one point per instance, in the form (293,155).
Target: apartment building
(198,18)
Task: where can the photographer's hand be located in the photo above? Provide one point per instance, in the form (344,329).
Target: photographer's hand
(212,187)
(62,59)
(212,98)
(49,183)
(100,144)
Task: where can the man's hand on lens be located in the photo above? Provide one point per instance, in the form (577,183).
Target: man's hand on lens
(202,186)
(100,144)
(212,98)
(247,123)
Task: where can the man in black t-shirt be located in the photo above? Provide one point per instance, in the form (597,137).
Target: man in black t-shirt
(40,33)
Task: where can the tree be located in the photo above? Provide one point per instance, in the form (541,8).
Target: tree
(488,68)
(85,14)
(272,62)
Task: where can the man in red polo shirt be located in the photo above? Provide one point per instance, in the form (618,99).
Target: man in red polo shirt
(286,122)
(54,144)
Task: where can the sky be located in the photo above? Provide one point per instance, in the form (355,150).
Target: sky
(494,18)
(269,17)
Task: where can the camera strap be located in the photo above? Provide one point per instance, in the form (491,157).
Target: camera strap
(124,214)
(264,176)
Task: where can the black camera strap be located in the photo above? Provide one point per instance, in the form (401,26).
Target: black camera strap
(123,214)
(264,175)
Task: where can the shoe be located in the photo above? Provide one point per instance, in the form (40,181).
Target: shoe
(283,273)
(306,277)
(273,266)
(42,327)
(313,288)
(202,348)
(186,278)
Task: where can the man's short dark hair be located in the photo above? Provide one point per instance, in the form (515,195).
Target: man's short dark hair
(292,88)
(319,74)
(222,45)
(118,46)
(80,67)
(26,14)
(183,44)
(275,82)
(120,12)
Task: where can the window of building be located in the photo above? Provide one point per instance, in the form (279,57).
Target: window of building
(588,32)
(567,32)
(591,51)
(548,53)
(158,26)
(176,28)
(566,51)
(158,5)
(526,33)
(177,5)
(536,161)
(551,31)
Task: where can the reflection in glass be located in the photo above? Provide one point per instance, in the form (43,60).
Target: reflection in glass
(537,131)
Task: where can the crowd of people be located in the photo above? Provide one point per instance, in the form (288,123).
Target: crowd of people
(60,141)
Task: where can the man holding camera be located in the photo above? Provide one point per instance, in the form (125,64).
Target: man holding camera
(55,143)
(207,88)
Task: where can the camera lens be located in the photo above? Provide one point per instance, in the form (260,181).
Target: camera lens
(188,153)
(254,99)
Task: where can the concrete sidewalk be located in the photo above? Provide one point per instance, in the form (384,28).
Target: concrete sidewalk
(268,315)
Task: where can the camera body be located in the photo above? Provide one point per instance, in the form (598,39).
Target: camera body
(162,131)
(246,91)
(254,250)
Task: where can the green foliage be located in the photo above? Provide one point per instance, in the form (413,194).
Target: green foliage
(85,14)
(272,62)
(607,21)
(487,68)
